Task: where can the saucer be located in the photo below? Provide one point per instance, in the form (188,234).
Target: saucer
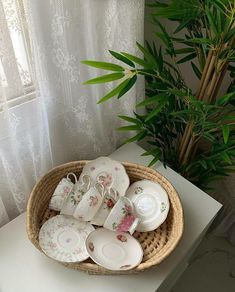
(151,204)
(109,173)
(114,251)
(63,238)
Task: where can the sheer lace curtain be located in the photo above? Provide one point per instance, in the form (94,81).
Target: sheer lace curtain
(47,116)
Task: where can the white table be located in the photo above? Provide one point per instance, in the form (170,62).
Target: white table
(24,269)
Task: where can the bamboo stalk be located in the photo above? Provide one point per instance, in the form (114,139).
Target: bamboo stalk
(207,77)
(204,72)
(218,85)
(185,140)
(211,86)
(210,96)
(188,151)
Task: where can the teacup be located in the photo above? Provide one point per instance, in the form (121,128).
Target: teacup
(61,192)
(75,196)
(90,203)
(121,217)
(110,199)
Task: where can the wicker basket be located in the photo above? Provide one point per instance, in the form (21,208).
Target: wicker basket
(157,244)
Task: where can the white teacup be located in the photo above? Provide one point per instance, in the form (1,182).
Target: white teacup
(121,217)
(75,196)
(61,192)
(90,203)
(110,199)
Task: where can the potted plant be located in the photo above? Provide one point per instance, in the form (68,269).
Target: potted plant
(192,132)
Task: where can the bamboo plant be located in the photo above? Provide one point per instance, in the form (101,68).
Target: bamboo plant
(192,132)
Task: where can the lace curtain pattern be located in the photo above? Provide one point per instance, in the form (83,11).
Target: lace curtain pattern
(62,121)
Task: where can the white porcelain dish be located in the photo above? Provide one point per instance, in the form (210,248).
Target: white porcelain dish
(114,251)
(63,238)
(108,172)
(151,204)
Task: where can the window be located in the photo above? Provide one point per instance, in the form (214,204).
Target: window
(16,82)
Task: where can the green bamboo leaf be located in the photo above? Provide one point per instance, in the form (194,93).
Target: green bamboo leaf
(162,37)
(151,152)
(198,41)
(150,49)
(221,5)
(219,21)
(103,65)
(154,112)
(187,58)
(211,20)
(122,58)
(148,56)
(129,128)
(224,53)
(136,59)
(182,25)
(228,119)
(196,71)
(226,157)
(105,78)
(137,137)
(209,137)
(229,35)
(160,59)
(150,100)
(130,119)
(113,92)
(211,164)
(225,99)
(226,131)
(180,10)
(155,159)
(128,86)
(203,163)
(178,93)
(184,50)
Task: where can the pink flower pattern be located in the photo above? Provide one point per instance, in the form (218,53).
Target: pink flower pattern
(51,245)
(109,203)
(126,221)
(122,238)
(125,224)
(91,246)
(93,201)
(66,191)
(105,179)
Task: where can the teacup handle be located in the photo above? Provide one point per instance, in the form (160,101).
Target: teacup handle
(100,188)
(114,194)
(74,175)
(86,180)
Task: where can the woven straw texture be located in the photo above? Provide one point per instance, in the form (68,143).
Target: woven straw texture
(157,244)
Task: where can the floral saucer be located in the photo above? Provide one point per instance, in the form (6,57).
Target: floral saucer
(109,173)
(114,251)
(151,204)
(63,238)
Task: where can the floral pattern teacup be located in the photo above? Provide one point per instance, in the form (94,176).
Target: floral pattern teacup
(122,218)
(110,199)
(75,196)
(61,192)
(90,203)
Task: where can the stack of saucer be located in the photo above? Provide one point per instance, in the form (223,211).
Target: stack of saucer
(101,196)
